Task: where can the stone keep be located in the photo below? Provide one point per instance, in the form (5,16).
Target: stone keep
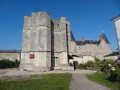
(36,44)
(43,39)
(116,21)
(48,44)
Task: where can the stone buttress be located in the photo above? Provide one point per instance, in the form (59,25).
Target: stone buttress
(64,45)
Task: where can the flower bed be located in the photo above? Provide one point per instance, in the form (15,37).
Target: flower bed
(109,67)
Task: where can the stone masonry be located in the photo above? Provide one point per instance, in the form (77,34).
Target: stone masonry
(47,44)
(116,21)
(12,55)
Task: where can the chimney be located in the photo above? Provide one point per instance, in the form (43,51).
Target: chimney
(95,40)
(82,39)
(101,38)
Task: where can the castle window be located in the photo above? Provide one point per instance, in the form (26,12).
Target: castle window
(32,56)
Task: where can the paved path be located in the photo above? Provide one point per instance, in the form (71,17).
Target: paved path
(80,82)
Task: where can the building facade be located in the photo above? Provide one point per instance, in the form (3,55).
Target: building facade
(49,44)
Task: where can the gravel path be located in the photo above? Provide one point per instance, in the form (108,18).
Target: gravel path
(19,73)
(80,82)
(79,79)
(4,72)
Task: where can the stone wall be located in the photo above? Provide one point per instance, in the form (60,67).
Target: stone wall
(12,55)
(112,57)
(82,59)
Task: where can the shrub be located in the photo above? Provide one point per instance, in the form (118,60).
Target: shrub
(6,63)
(115,74)
(89,64)
(16,63)
(97,61)
(118,62)
(106,66)
(112,69)
(82,66)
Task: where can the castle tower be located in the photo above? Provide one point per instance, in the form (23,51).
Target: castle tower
(36,43)
(116,21)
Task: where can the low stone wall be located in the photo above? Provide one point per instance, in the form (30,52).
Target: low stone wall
(12,55)
(82,60)
(112,57)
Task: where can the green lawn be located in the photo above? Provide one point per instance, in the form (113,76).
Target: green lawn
(102,79)
(49,82)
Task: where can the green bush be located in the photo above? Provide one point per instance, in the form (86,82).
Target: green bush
(87,65)
(91,65)
(82,66)
(97,61)
(112,69)
(107,65)
(115,74)
(5,63)
(16,63)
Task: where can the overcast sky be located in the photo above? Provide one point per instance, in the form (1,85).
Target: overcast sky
(88,18)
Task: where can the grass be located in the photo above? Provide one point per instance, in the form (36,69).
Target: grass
(102,79)
(49,82)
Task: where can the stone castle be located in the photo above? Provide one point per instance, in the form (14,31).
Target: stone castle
(49,44)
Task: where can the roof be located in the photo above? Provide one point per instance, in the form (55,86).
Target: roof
(116,18)
(78,42)
(105,38)
(88,41)
(72,37)
(98,42)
